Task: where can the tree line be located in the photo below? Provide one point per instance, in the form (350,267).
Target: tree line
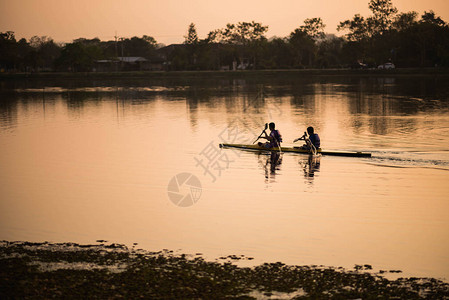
(404,38)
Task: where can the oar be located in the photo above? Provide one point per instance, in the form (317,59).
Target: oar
(266,126)
(305,137)
(300,138)
(309,143)
(279,145)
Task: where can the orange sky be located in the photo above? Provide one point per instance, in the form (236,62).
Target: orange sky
(167,20)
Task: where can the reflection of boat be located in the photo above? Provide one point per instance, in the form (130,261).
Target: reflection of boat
(297,150)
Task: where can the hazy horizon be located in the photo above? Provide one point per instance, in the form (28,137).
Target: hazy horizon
(168,21)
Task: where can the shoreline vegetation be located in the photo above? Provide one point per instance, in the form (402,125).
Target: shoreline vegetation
(107,270)
(229,74)
(386,38)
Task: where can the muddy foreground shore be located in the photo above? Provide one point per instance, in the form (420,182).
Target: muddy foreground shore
(104,270)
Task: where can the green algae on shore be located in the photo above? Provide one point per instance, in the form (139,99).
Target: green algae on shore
(69,270)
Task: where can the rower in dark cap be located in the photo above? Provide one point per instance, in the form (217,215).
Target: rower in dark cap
(312,136)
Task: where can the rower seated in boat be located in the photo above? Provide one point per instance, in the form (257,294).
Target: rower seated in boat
(274,138)
(312,137)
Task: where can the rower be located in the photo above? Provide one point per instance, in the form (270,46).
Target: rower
(313,137)
(274,139)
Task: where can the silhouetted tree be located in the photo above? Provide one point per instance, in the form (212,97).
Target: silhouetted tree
(191,38)
(384,35)
(357,27)
(191,41)
(241,33)
(44,52)
(135,46)
(330,52)
(277,54)
(383,15)
(314,28)
(432,39)
(24,56)
(364,34)
(8,46)
(303,41)
(404,21)
(430,18)
(246,37)
(80,55)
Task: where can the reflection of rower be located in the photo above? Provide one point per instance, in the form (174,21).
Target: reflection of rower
(275,160)
(270,164)
(312,166)
(312,140)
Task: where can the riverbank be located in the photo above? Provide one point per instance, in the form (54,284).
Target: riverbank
(231,74)
(104,270)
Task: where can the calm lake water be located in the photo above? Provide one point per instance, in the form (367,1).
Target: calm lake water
(82,160)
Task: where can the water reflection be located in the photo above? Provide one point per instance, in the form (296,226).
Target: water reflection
(373,96)
(192,109)
(310,166)
(365,107)
(8,113)
(63,159)
(270,164)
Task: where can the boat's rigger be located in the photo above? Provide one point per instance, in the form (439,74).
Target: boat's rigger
(297,150)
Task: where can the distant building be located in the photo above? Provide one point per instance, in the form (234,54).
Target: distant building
(165,52)
(129,63)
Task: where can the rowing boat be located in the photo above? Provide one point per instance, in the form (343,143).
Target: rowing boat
(297,150)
